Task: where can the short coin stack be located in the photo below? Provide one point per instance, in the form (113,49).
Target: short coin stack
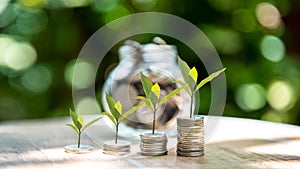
(190,136)
(153,144)
(121,148)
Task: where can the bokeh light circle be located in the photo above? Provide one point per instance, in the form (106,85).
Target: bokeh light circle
(268,15)
(250,97)
(272,48)
(281,95)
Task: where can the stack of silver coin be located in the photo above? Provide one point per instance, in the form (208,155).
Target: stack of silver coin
(120,148)
(190,138)
(153,144)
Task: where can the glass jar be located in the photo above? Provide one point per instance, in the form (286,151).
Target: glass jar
(159,63)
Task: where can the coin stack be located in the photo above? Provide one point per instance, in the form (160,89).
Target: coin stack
(120,148)
(153,144)
(190,138)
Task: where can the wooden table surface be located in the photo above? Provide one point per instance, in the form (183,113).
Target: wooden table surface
(237,143)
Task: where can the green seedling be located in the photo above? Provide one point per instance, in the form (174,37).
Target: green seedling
(190,77)
(152,96)
(78,124)
(116,114)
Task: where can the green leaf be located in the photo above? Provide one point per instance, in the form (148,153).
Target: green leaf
(169,96)
(145,101)
(183,85)
(118,107)
(209,78)
(194,74)
(111,104)
(191,83)
(73,127)
(111,117)
(91,122)
(153,99)
(184,68)
(147,84)
(74,119)
(156,90)
(127,113)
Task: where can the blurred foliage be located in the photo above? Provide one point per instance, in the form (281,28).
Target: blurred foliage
(257,41)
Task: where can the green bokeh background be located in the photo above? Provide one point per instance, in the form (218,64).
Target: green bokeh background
(257,40)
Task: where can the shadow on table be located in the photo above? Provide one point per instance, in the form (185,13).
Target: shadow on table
(241,153)
(227,154)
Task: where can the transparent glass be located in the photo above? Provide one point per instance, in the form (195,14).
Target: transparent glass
(159,63)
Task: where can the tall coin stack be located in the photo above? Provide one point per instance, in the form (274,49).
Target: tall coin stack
(190,138)
(153,144)
(121,148)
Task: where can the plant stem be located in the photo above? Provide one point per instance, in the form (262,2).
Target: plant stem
(79,135)
(191,108)
(117,130)
(153,123)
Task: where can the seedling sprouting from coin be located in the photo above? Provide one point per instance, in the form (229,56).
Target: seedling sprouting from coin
(152,97)
(78,124)
(190,77)
(116,114)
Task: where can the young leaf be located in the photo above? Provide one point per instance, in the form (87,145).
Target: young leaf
(194,74)
(73,127)
(143,99)
(111,105)
(147,84)
(156,90)
(91,122)
(111,117)
(127,113)
(168,96)
(80,120)
(118,107)
(74,119)
(184,68)
(183,85)
(209,78)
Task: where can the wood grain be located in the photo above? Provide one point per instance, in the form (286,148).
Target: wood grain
(237,143)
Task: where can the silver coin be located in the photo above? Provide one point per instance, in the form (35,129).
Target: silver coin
(120,148)
(190,143)
(119,144)
(116,149)
(115,153)
(189,150)
(154,153)
(190,122)
(191,154)
(152,136)
(153,144)
(81,150)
